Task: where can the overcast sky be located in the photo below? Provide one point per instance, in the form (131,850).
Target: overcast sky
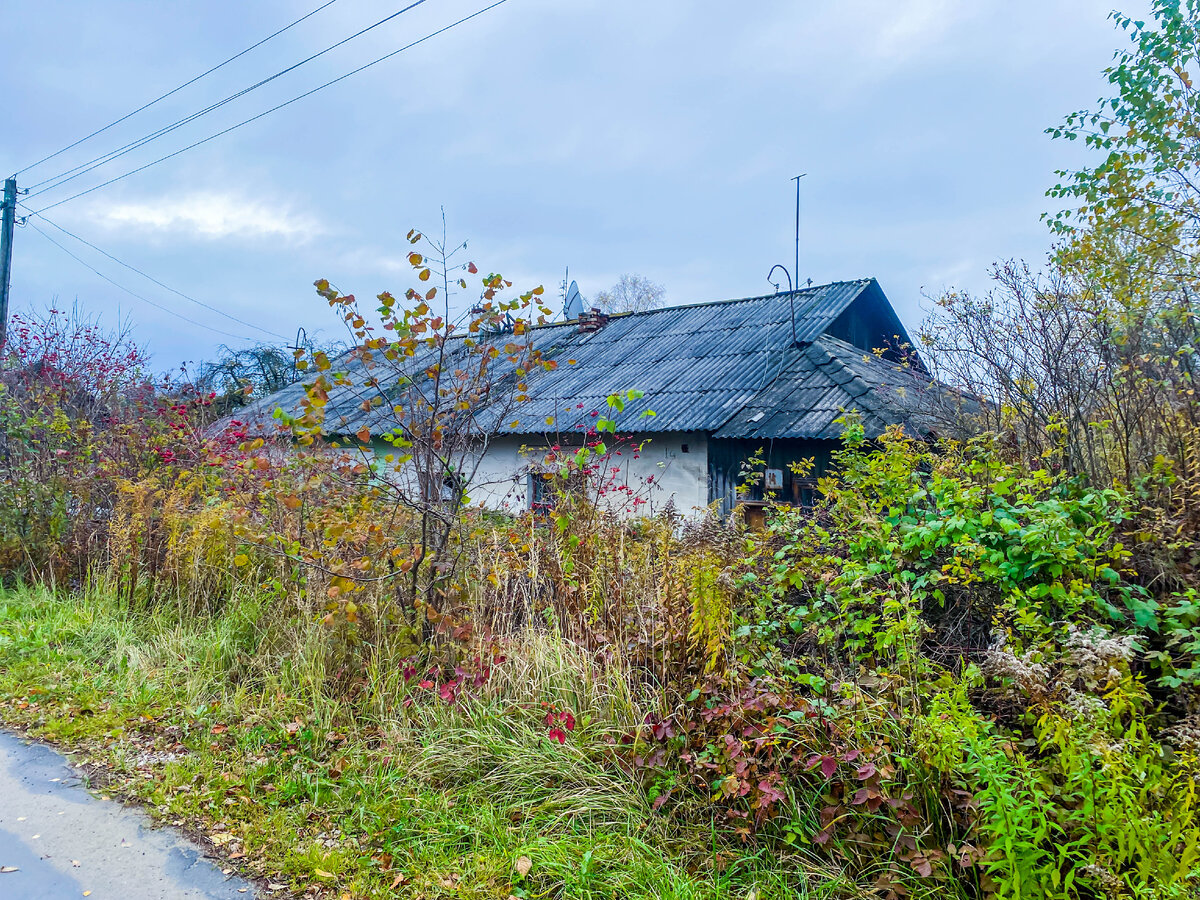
(655,137)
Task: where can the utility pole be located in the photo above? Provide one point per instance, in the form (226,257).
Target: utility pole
(6,239)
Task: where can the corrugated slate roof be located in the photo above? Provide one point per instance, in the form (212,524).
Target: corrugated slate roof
(728,367)
(819,384)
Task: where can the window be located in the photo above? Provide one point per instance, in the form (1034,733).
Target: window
(547,488)
(447,490)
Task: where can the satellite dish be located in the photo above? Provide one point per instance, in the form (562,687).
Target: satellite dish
(573,305)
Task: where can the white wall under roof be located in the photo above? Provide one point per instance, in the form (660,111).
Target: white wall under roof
(669,468)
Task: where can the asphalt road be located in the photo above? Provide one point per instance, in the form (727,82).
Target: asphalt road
(65,843)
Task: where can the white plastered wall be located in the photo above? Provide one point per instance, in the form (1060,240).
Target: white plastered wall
(661,471)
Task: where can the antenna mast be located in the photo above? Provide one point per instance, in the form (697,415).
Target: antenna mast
(796,268)
(793,283)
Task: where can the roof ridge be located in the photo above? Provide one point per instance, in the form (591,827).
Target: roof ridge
(798,293)
(832,361)
(873,397)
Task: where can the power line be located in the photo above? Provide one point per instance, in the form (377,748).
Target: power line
(161,284)
(83,168)
(166,309)
(175,90)
(225,131)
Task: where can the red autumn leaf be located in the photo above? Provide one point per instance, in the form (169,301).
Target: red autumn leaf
(828,764)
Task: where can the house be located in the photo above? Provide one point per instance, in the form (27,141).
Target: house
(769,376)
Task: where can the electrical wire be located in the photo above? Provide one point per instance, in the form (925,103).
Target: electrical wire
(161,284)
(176,90)
(116,284)
(225,131)
(83,168)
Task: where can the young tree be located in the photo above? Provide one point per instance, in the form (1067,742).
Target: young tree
(1145,186)
(407,414)
(1131,240)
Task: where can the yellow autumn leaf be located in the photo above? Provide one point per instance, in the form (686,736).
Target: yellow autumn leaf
(241,559)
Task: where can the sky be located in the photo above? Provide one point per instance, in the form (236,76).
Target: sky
(604,136)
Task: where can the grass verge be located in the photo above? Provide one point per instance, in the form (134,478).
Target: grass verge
(226,727)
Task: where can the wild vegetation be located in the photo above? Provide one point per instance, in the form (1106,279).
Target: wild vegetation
(969,669)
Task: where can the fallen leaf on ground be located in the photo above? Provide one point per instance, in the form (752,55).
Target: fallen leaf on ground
(221,839)
(321,873)
(524,864)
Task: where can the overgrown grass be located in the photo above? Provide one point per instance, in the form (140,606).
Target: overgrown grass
(392,791)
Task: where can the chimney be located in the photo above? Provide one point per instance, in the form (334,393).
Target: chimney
(592,321)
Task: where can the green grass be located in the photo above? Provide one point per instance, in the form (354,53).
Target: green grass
(369,796)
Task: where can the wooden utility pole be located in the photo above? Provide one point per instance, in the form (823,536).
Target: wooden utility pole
(6,239)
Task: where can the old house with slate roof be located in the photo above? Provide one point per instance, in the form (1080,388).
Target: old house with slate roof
(723,379)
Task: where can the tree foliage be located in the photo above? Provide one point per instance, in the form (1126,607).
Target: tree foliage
(240,376)
(631,293)
(1145,187)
